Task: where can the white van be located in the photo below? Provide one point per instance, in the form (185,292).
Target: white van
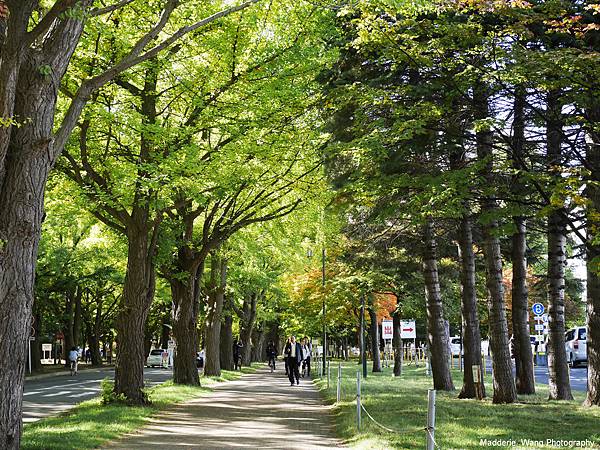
(576,345)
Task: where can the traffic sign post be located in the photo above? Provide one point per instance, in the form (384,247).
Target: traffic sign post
(540,326)
(537,309)
(387,333)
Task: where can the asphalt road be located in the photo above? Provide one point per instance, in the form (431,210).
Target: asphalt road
(50,396)
(578,377)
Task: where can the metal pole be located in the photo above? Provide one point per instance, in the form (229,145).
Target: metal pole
(362,338)
(324,313)
(358,418)
(29,347)
(430,419)
(339,383)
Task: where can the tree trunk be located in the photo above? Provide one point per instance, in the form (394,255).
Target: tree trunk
(226,350)
(504,384)
(471,336)
(559,385)
(436,329)
(525,380)
(375,339)
(138,292)
(68,325)
(184,331)
(212,365)
(77,318)
(247,315)
(592,193)
(397,340)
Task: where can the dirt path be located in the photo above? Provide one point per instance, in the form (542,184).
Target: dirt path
(260,410)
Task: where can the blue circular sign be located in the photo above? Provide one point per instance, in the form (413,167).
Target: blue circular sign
(538,309)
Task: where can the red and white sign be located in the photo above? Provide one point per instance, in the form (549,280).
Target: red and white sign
(408,330)
(387,329)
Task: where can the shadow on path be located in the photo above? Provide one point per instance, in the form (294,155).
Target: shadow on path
(260,410)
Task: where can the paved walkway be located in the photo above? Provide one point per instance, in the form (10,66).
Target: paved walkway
(260,410)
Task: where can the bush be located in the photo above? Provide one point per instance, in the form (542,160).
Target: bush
(109,396)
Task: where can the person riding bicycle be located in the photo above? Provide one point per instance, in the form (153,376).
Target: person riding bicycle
(271,354)
(73,356)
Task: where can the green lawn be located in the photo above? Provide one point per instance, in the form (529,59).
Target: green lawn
(91,424)
(401,404)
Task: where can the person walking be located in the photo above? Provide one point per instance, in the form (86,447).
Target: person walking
(307,352)
(73,355)
(271,355)
(293,352)
(285,359)
(237,354)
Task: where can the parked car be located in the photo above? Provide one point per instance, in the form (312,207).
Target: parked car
(455,345)
(155,358)
(200,359)
(576,345)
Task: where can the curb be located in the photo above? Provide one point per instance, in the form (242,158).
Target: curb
(65,373)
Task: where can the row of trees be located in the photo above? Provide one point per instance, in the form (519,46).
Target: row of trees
(474,124)
(176,125)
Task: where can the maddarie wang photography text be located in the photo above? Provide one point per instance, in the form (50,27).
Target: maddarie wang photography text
(533,443)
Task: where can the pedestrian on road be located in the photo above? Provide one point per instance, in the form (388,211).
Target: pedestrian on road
(307,352)
(237,354)
(88,355)
(285,359)
(73,355)
(293,351)
(271,355)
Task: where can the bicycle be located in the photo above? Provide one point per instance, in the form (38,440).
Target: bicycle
(272,363)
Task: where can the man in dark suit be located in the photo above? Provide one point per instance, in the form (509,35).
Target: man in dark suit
(293,353)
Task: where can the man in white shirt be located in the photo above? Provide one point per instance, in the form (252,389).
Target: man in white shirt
(293,352)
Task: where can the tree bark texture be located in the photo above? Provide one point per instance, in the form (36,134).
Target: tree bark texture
(524,376)
(592,193)
(184,331)
(471,335)
(247,315)
(559,383)
(26,157)
(374,332)
(138,293)
(226,351)
(218,271)
(438,339)
(503,382)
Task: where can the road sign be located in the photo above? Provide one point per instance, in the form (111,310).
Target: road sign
(387,329)
(408,330)
(539,327)
(545,318)
(539,338)
(538,309)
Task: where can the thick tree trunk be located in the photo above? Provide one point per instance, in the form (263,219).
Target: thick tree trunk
(68,325)
(525,380)
(397,340)
(592,192)
(559,384)
(138,292)
(504,384)
(212,365)
(184,331)
(226,351)
(77,318)
(471,336)
(436,329)
(374,332)
(247,317)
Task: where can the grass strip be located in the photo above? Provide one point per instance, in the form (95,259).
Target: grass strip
(401,404)
(91,424)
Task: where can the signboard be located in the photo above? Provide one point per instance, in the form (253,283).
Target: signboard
(408,330)
(47,354)
(539,327)
(387,329)
(538,309)
(545,318)
(539,338)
